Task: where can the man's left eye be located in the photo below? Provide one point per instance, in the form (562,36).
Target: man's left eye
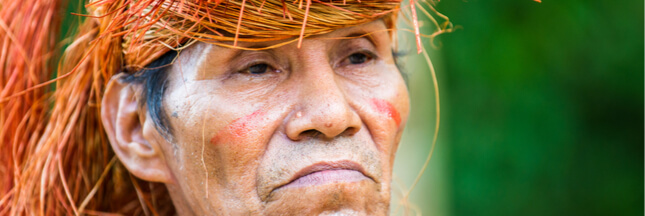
(358,58)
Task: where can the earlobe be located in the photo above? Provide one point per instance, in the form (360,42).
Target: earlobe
(124,124)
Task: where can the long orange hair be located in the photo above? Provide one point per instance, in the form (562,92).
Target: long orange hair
(55,157)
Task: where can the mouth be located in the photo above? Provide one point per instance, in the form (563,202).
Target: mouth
(327,172)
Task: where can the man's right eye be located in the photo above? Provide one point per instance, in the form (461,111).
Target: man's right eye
(258,68)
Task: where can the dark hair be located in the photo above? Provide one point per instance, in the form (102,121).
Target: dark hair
(154,79)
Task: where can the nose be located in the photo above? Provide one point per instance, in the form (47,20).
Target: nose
(323,109)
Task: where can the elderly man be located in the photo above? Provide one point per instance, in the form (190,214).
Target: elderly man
(284,131)
(234,107)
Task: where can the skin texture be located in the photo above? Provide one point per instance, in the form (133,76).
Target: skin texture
(239,138)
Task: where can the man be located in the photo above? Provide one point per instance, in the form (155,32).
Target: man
(234,113)
(310,130)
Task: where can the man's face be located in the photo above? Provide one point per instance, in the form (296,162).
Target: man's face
(284,131)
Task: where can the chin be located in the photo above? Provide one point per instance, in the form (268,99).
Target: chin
(364,197)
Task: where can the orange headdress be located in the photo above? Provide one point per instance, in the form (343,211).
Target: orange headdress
(55,158)
(150,28)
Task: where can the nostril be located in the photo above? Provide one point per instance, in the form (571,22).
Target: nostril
(310,133)
(350,131)
(313,133)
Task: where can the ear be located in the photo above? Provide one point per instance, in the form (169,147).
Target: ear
(125,124)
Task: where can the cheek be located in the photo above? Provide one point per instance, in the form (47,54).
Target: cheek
(386,109)
(241,128)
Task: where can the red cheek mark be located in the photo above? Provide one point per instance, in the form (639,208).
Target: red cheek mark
(388,109)
(239,128)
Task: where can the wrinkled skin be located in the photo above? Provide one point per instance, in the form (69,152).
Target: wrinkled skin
(246,122)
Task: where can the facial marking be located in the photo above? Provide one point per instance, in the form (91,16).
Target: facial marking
(239,128)
(387,109)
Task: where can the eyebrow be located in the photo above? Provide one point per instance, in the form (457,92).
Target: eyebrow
(350,35)
(355,33)
(362,34)
(256,45)
(240,52)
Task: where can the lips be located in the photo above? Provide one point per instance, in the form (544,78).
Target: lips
(327,172)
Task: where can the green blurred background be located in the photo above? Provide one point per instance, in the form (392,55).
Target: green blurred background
(542,110)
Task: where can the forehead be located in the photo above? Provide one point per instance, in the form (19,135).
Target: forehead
(377,31)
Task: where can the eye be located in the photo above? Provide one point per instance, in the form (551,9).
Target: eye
(260,68)
(358,58)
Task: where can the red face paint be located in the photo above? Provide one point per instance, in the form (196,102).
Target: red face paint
(239,128)
(387,109)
